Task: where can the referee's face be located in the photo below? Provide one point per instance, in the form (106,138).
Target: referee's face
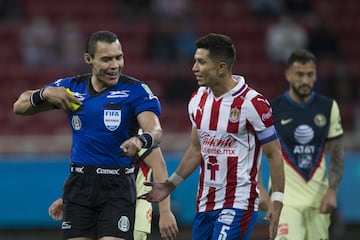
(301,78)
(107,65)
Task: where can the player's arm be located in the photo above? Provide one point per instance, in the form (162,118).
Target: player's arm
(167,223)
(336,152)
(192,157)
(265,201)
(34,101)
(335,147)
(156,162)
(272,151)
(190,161)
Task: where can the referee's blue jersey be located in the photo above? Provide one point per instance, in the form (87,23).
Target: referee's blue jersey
(104,120)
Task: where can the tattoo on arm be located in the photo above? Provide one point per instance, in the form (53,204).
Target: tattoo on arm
(336,162)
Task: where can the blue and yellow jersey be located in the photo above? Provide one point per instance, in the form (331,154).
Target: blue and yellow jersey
(143,213)
(303,130)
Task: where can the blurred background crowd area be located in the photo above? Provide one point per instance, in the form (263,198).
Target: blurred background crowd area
(43,40)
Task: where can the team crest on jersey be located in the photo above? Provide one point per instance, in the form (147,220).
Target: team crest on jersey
(112,119)
(234,115)
(76,122)
(320,120)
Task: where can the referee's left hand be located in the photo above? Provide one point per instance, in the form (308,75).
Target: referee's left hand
(131,146)
(55,209)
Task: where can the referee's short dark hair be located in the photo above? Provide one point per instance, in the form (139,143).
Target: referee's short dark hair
(99,36)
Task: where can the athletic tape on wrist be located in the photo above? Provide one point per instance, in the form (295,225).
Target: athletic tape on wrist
(147,140)
(277,196)
(41,93)
(36,97)
(175,179)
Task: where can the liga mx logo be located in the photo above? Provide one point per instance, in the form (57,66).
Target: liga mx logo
(112,119)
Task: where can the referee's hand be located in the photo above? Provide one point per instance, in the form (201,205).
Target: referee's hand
(55,209)
(131,146)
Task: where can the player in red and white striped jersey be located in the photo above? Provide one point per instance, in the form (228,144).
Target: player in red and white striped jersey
(231,125)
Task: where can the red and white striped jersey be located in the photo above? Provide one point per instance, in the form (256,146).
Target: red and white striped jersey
(231,129)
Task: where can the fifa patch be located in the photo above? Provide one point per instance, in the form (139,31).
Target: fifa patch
(112,119)
(124,224)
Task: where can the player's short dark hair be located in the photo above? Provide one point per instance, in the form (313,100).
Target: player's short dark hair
(302,56)
(99,36)
(220,48)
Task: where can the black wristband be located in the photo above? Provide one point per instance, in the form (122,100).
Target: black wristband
(147,140)
(36,97)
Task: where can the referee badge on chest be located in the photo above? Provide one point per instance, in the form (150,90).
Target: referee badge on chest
(112,119)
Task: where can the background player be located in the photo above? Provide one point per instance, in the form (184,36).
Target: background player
(308,124)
